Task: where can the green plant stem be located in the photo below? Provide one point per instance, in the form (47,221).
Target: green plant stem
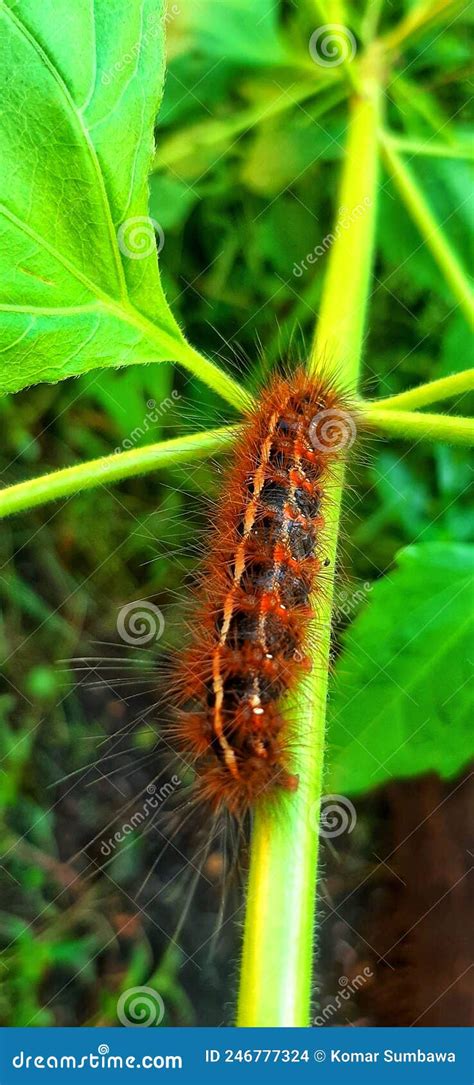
(370,20)
(275,986)
(331,11)
(212,375)
(433,392)
(334,13)
(378,415)
(429,228)
(209,134)
(429,148)
(184,353)
(107,469)
(413,101)
(410,425)
(417,19)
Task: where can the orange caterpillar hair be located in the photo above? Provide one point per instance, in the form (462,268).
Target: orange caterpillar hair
(249,634)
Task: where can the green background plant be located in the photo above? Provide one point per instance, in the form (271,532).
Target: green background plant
(241,194)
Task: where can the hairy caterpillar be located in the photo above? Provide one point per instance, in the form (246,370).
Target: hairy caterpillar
(249,634)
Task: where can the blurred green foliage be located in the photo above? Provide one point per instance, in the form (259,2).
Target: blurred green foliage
(401,701)
(240,206)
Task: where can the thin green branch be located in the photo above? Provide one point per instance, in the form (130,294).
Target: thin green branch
(114,468)
(433,392)
(429,228)
(209,134)
(331,11)
(206,371)
(415,102)
(418,19)
(333,14)
(429,148)
(380,415)
(275,987)
(409,425)
(370,20)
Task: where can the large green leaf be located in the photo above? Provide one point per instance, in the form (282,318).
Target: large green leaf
(81,84)
(401,702)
